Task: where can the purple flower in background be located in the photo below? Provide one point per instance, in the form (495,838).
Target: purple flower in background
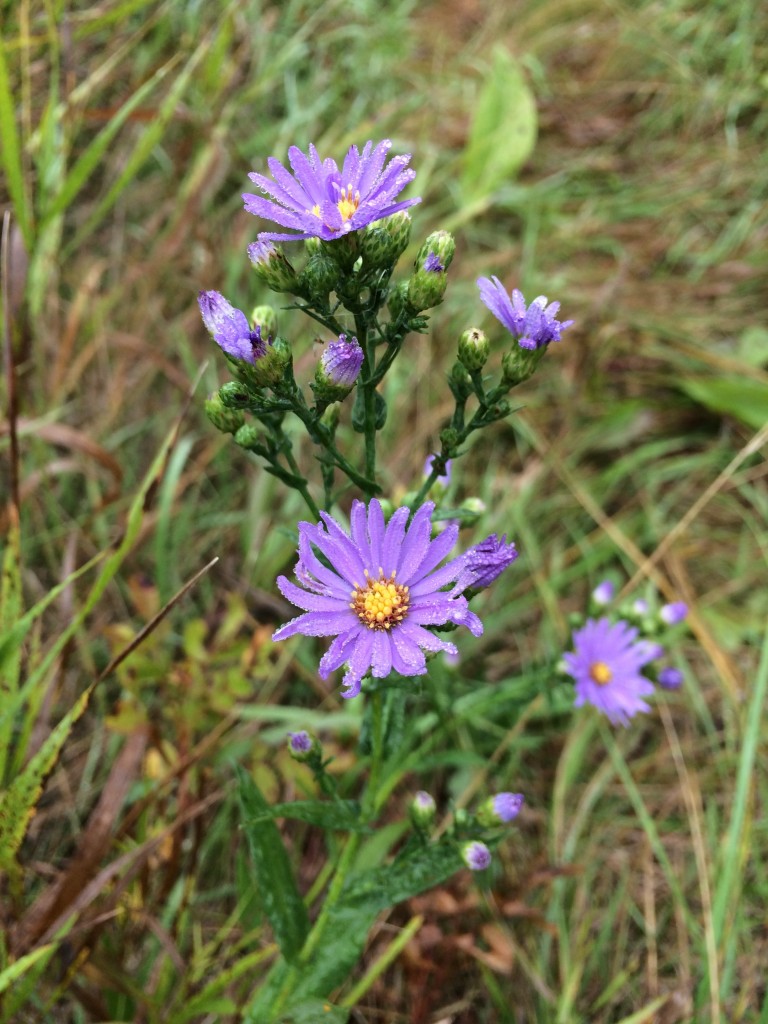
(672,614)
(476,855)
(432,264)
(603,593)
(375,590)
(300,742)
(606,667)
(230,328)
(341,361)
(640,606)
(486,561)
(444,480)
(320,201)
(534,326)
(670,678)
(507,806)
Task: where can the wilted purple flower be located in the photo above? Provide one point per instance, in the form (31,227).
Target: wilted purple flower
(380,589)
(606,667)
(476,855)
(670,678)
(320,201)
(534,326)
(603,593)
(341,361)
(671,614)
(432,264)
(444,480)
(230,328)
(486,561)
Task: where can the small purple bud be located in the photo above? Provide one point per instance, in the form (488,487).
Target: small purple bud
(603,593)
(670,678)
(302,745)
(476,855)
(640,606)
(423,810)
(485,562)
(671,614)
(432,264)
(507,805)
(230,328)
(341,362)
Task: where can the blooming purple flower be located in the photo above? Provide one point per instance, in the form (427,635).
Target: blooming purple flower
(341,361)
(534,326)
(476,855)
(320,201)
(375,590)
(432,264)
(603,593)
(486,561)
(670,678)
(672,614)
(606,667)
(230,328)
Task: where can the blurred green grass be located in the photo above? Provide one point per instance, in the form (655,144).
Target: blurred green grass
(633,889)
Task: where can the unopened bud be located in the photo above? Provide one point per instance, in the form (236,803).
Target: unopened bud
(383,242)
(319,277)
(423,811)
(474,349)
(518,364)
(476,855)
(338,369)
(248,437)
(223,417)
(500,809)
(272,266)
(266,318)
(438,248)
(304,746)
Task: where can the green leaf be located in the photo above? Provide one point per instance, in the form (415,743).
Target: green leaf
(315,1011)
(745,398)
(340,814)
(278,891)
(503,130)
(10,612)
(10,155)
(14,971)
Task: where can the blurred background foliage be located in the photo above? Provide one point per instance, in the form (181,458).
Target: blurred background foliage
(607,154)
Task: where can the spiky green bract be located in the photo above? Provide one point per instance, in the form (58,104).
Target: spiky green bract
(383,242)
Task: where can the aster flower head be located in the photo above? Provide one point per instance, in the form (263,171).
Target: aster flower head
(486,561)
(605,666)
(534,325)
(500,809)
(672,614)
(376,590)
(341,361)
(603,593)
(476,855)
(230,328)
(318,200)
(423,810)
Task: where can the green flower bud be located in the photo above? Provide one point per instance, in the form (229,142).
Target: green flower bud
(499,809)
(272,266)
(331,416)
(304,746)
(473,349)
(266,318)
(459,382)
(384,241)
(270,368)
(518,364)
(426,289)
(318,278)
(223,417)
(397,302)
(439,244)
(423,811)
(235,395)
(449,438)
(248,437)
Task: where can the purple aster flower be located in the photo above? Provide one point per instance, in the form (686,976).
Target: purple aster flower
(230,328)
(606,667)
(486,561)
(670,678)
(672,614)
(375,590)
(534,326)
(341,361)
(444,480)
(476,855)
(432,264)
(320,201)
(500,809)
(603,593)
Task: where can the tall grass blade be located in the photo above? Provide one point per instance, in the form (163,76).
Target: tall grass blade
(10,155)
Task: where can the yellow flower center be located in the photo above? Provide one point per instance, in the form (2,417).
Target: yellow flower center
(347,205)
(381,603)
(600,673)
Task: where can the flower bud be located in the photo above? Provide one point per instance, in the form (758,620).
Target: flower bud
(427,287)
(318,278)
(476,855)
(265,317)
(518,364)
(500,809)
(474,349)
(223,417)
(338,369)
(485,562)
(303,746)
(235,395)
(460,382)
(272,267)
(384,241)
(438,248)
(270,368)
(449,437)
(423,811)
(248,437)
(672,614)
(670,678)
(331,416)
(603,593)
(397,303)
